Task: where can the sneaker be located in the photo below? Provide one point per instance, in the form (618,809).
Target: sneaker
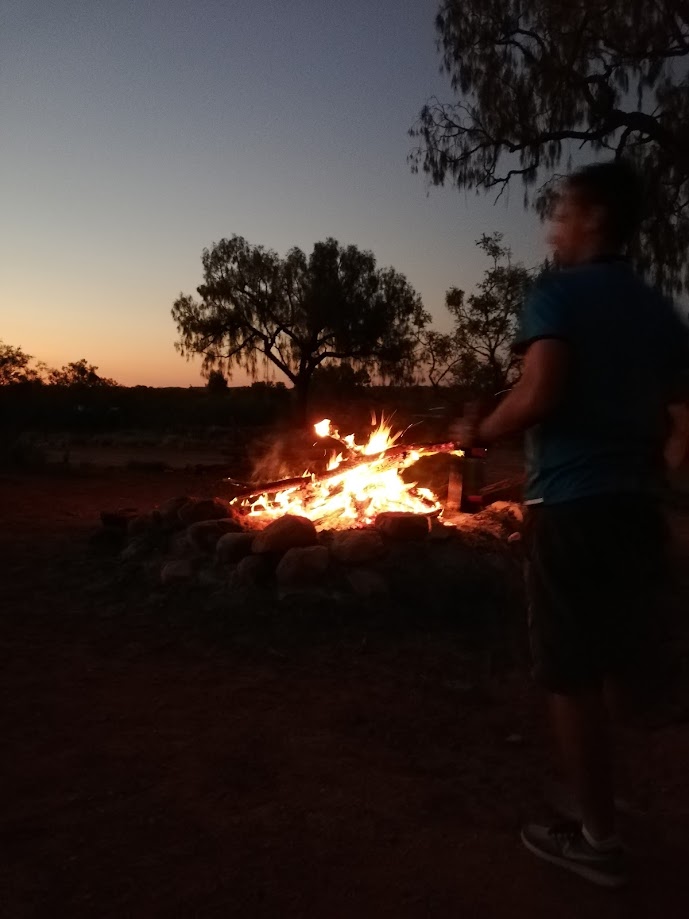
(565,845)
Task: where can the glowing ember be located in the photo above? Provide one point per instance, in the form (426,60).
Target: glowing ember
(359,493)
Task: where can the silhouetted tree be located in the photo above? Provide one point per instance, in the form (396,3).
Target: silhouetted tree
(340,377)
(217,381)
(15,366)
(297,312)
(440,355)
(531,77)
(478,353)
(79,374)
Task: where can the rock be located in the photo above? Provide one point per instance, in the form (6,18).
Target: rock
(168,512)
(440,532)
(210,579)
(358,547)
(507,517)
(302,565)
(288,532)
(300,599)
(508,510)
(180,547)
(403,525)
(178,571)
(515,537)
(252,571)
(199,509)
(205,534)
(368,585)
(138,526)
(233,547)
(136,549)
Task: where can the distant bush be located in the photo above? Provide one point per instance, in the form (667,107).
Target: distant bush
(217,381)
(24,407)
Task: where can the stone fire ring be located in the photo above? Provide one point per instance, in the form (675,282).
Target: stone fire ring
(402,558)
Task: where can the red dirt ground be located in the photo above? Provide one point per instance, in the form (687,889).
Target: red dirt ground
(158,765)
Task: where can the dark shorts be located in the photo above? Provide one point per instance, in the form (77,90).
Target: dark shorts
(596,577)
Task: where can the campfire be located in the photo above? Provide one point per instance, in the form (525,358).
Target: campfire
(343,529)
(360,482)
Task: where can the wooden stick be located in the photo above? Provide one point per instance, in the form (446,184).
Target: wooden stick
(270,488)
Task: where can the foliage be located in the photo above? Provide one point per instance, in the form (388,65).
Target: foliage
(268,386)
(79,374)
(340,377)
(532,77)
(217,381)
(477,354)
(440,355)
(298,312)
(15,366)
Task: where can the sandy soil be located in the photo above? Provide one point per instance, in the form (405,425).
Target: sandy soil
(160,761)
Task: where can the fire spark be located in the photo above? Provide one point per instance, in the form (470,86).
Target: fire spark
(362,481)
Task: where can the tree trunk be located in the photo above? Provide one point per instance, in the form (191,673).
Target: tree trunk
(300,401)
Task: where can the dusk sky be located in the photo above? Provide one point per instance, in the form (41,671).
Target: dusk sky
(137,132)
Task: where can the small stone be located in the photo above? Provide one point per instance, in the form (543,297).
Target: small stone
(358,547)
(176,572)
(368,585)
(168,512)
(440,532)
(180,547)
(252,571)
(308,599)
(508,514)
(514,537)
(288,532)
(233,547)
(138,526)
(209,578)
(136,549)
(302,565)
(199,509)
(205,534)
(403,525)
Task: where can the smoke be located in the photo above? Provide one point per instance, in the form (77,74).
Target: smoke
(288,455)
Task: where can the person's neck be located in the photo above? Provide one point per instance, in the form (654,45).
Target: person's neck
(599,252)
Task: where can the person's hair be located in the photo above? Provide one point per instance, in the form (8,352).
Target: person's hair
(616,189)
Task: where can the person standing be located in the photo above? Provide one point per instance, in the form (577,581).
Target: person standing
(602,356)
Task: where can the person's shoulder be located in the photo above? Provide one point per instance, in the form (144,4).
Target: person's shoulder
(596,274)
(552,283)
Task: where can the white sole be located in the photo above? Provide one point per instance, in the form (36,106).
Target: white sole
(584,871)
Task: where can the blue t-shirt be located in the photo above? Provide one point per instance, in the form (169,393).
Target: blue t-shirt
(627,347)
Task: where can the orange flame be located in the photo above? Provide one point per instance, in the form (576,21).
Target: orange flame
(357,495)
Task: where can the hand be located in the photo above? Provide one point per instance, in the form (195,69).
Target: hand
(465,431)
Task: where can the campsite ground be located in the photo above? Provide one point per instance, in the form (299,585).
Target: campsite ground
(162,761)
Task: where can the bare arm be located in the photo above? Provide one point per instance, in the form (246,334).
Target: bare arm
(534,396)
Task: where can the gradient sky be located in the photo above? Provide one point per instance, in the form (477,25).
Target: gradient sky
(137,132)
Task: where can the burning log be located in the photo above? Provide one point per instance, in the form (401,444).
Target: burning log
(401,451)
(362,481)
